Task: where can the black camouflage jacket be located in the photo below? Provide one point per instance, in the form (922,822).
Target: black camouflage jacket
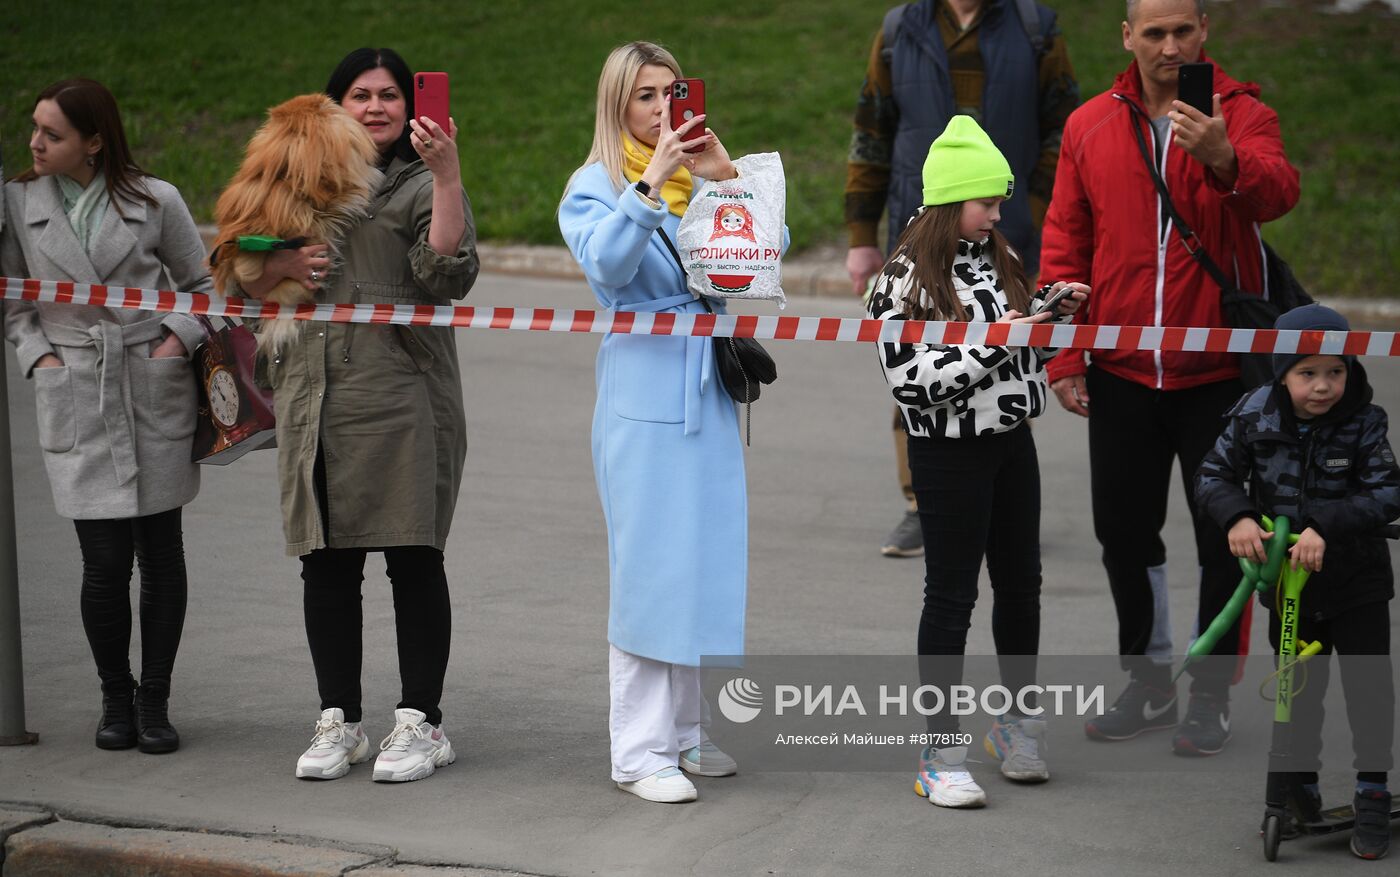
(1341,479)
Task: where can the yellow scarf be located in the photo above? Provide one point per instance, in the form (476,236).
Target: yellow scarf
(675,191)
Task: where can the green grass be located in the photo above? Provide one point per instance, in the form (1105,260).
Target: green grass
(193,80)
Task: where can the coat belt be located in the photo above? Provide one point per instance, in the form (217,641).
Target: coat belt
(699,352)
(114,383)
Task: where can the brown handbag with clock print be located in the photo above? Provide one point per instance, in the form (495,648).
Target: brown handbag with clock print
(235,414)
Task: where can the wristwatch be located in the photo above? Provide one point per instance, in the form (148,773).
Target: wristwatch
(643,188)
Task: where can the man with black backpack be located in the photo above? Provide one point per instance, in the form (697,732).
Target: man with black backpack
(1155,200)
(1003,62)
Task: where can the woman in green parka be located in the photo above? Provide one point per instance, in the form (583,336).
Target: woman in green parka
(371,430)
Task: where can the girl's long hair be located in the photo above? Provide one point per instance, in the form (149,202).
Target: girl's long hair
(615,86)
(930,242)
(90,107)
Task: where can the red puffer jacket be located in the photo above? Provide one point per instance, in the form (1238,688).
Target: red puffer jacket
(1105,227)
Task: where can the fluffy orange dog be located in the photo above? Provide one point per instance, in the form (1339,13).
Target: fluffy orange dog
(308,173)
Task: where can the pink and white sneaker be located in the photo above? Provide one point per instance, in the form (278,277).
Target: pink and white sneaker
(413,750)
(336,745)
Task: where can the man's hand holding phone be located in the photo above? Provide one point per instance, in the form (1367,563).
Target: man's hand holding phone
(1198,124)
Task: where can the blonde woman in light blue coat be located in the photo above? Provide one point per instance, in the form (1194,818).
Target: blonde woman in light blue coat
(666,449)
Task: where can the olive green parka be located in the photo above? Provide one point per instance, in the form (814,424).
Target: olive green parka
(383,404)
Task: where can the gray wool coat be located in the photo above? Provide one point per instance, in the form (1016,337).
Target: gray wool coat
(115,425)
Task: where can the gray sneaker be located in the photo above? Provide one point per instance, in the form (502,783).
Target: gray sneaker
(906,539)
(1020,747)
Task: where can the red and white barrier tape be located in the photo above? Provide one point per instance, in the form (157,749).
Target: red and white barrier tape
(723,325)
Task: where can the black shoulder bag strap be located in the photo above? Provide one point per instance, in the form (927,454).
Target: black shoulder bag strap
(729,341)
(1188,237)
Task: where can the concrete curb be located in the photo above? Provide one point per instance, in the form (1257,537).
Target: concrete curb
(36,843)
(820,277)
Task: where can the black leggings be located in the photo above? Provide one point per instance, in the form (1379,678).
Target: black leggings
(335,620)
(1135,434)
(978,496)
(108,547)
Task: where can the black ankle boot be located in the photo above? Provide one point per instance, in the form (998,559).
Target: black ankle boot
(117,727)
(155,734)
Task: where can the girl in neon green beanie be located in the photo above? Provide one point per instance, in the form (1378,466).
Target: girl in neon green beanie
(971,453)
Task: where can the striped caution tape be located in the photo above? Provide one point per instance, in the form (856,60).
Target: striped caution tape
(723,325)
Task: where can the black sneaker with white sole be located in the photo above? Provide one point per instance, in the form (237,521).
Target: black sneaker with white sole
(1370,839)
(1139,708)
(1206,728)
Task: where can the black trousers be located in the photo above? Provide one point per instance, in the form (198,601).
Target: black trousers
(978,497)
(1135,434)
(335,624)
(1367,682)
(156,542)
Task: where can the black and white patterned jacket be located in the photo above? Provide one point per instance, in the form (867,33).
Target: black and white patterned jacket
(959,391)
(1340,478)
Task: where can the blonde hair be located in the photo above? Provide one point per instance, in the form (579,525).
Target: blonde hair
(615,86)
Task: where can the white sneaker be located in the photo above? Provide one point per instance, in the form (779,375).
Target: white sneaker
(334,747)
(706,760)
(944,780)
(413,750)
(666,786)
(1020,746)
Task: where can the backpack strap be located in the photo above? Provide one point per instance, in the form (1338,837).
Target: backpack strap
(890,32)
(1030,20)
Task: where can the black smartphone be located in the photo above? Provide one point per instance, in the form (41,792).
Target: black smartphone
(1052,303)
(1195,86)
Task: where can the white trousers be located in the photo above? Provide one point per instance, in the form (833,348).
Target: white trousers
(657,711)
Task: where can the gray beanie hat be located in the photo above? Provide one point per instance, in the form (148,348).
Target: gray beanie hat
(1308,317)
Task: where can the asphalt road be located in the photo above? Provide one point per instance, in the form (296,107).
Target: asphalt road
(526,698)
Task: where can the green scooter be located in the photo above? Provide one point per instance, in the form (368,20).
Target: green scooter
(1286,803)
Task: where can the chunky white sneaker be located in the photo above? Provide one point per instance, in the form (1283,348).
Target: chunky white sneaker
(413,750)
(334,747)
(1020,745)
(666,786)
(944,780)
(706,760)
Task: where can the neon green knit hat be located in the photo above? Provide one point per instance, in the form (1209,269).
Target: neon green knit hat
(963,164)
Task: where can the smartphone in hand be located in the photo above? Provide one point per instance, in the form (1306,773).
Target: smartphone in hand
(1051,303)
(687,102)
(1195,86)
(430,98)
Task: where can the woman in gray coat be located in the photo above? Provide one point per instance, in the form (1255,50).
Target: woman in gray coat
(371,428)
(114,388)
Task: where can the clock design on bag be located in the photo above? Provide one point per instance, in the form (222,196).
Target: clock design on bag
(223,396)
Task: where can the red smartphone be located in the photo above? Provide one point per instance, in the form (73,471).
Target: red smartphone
(687,102)
(430,98)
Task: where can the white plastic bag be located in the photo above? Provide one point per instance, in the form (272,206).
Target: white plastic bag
(731,237)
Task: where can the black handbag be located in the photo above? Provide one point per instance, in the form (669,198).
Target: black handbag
(744,366)
(1243,310)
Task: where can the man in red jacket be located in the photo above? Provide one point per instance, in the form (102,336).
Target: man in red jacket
(1107,227)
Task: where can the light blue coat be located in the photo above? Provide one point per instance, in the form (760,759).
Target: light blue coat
(666,449)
